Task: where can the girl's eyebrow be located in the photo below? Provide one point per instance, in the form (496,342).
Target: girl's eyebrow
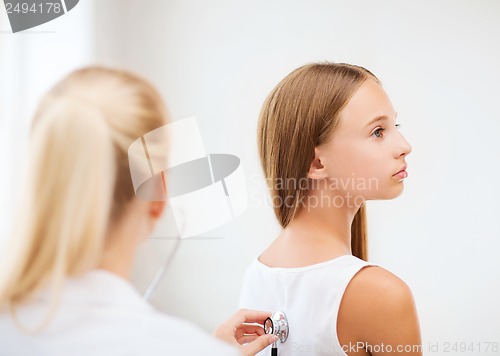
(380,118)
(377,119)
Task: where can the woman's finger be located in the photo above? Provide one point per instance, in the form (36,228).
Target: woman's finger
(245,339)
(248,316)
(250,329)
(258,344)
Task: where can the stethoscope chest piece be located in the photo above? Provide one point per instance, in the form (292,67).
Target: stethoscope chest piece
(277,324)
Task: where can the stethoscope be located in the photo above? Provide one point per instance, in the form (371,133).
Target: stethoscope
(277,324)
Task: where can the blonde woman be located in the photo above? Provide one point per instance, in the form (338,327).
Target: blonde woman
(328,141)
(64,287)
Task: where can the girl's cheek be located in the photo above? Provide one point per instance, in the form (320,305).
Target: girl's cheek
(370,169)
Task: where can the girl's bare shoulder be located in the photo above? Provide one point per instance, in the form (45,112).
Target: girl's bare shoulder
(378,306)
(376,290)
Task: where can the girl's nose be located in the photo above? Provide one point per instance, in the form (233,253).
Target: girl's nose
(404,147)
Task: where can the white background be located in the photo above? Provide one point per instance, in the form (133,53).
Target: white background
(439,62)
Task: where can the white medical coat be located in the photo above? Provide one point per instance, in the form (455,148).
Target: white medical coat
(102,314)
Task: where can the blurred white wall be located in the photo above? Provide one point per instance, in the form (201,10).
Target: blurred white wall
(30,63)
(439,62)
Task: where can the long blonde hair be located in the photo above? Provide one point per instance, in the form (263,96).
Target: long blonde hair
(300,113)
(78,179)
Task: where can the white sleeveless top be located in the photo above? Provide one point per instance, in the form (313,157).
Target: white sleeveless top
(309,296)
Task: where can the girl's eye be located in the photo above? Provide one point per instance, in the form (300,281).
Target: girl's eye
(378,133)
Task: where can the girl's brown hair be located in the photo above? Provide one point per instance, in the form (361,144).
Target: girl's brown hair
(299,114)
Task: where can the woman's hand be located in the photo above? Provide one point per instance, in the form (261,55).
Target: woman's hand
(241,329)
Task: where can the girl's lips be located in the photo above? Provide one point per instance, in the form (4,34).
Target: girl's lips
(401,174)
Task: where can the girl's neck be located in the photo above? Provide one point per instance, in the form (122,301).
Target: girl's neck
(318,233)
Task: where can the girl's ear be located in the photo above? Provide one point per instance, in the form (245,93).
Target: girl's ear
(316,169)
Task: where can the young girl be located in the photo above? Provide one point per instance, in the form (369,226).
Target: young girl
(328,141)
(64,287)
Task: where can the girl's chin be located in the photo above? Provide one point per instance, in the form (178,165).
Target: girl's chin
(388,194)
(397,191)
